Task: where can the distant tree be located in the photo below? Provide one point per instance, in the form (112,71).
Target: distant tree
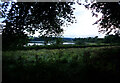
(79,41)
(47,18)
(112,39)
(96,37)
(59,41)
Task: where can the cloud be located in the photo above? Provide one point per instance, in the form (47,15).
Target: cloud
(83,27)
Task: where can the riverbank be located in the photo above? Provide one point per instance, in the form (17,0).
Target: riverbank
(37,47)
(62,46)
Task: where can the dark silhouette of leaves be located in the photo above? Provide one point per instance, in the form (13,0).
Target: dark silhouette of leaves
(110,20)
(47,18)
(111,16)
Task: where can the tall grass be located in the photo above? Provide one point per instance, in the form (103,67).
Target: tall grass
(62,65)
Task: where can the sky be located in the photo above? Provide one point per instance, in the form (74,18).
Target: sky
(83,27)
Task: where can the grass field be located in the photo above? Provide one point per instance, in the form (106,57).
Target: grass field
(62,65)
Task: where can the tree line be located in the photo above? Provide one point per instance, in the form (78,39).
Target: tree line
(111,39)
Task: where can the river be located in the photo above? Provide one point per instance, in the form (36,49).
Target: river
(42,43)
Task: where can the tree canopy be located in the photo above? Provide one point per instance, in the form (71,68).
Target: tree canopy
(47,18)
(110,20)
(43,16)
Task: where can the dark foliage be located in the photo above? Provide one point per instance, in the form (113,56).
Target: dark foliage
(112,39)
(108,39)
(110,20)
(38,16)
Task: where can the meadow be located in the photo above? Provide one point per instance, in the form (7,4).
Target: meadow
(91,64)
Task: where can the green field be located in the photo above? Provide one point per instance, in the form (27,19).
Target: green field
(62,65)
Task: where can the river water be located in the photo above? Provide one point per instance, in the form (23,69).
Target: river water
(41,43)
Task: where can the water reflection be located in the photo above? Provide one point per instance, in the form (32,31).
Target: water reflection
(31,44)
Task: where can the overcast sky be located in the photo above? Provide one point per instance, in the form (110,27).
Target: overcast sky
(83,27)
